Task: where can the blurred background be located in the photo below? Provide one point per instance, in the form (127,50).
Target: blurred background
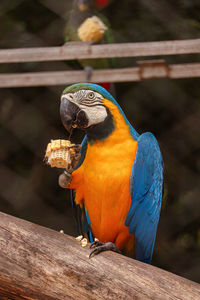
(29,119)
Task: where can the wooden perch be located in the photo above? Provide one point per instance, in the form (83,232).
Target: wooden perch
(40,263)
(78,50)
(146,71)
(81,50)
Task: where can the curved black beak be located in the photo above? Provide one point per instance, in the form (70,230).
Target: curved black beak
(68,113)
(72,116)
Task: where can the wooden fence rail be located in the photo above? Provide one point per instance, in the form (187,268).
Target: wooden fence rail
(147,70)
(81,50)
(39,263)
(78,50)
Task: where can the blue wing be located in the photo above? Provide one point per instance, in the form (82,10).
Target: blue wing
(80,213)
(146,195)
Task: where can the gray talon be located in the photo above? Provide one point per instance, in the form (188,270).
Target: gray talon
(64,179)
(100,247)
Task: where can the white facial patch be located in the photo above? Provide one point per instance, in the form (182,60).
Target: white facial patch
(84,97)
(91,103)
(96,114)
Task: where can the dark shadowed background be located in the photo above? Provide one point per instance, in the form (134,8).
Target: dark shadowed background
(29,119)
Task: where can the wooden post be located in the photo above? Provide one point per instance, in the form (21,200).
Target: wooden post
(40,263)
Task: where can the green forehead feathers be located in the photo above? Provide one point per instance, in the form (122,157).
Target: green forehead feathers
(89,86)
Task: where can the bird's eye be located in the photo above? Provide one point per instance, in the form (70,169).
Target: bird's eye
(91,95)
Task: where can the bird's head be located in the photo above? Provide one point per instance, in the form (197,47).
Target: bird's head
(88,107)
(83,5)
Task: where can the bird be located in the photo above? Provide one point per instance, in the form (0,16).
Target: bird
(118,179)
(85,24)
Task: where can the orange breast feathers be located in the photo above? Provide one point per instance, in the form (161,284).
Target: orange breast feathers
(102,183)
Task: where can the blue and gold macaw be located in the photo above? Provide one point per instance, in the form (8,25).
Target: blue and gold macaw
(119,177)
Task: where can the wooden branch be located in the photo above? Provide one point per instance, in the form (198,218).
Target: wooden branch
(81,50)
(147,71)
(39,263)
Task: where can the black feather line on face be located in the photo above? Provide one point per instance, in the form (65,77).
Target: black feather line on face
(101,130)
(91,105)
(81,119)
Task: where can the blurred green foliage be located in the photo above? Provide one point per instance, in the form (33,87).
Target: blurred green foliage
(29,118)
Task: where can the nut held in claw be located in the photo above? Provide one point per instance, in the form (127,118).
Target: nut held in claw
(60,153)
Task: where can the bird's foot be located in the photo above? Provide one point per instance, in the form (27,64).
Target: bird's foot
(65,178)
(74,161)
(99,247)
(88,72)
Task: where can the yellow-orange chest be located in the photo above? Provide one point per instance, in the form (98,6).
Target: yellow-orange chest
(104,181)
(106,186)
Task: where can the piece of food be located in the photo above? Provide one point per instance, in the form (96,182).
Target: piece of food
(84,242)
(79,238)
(61,153)
(92,29)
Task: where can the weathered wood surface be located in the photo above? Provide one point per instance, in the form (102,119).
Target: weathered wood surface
(110,75)
(40,263)
(81,50)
